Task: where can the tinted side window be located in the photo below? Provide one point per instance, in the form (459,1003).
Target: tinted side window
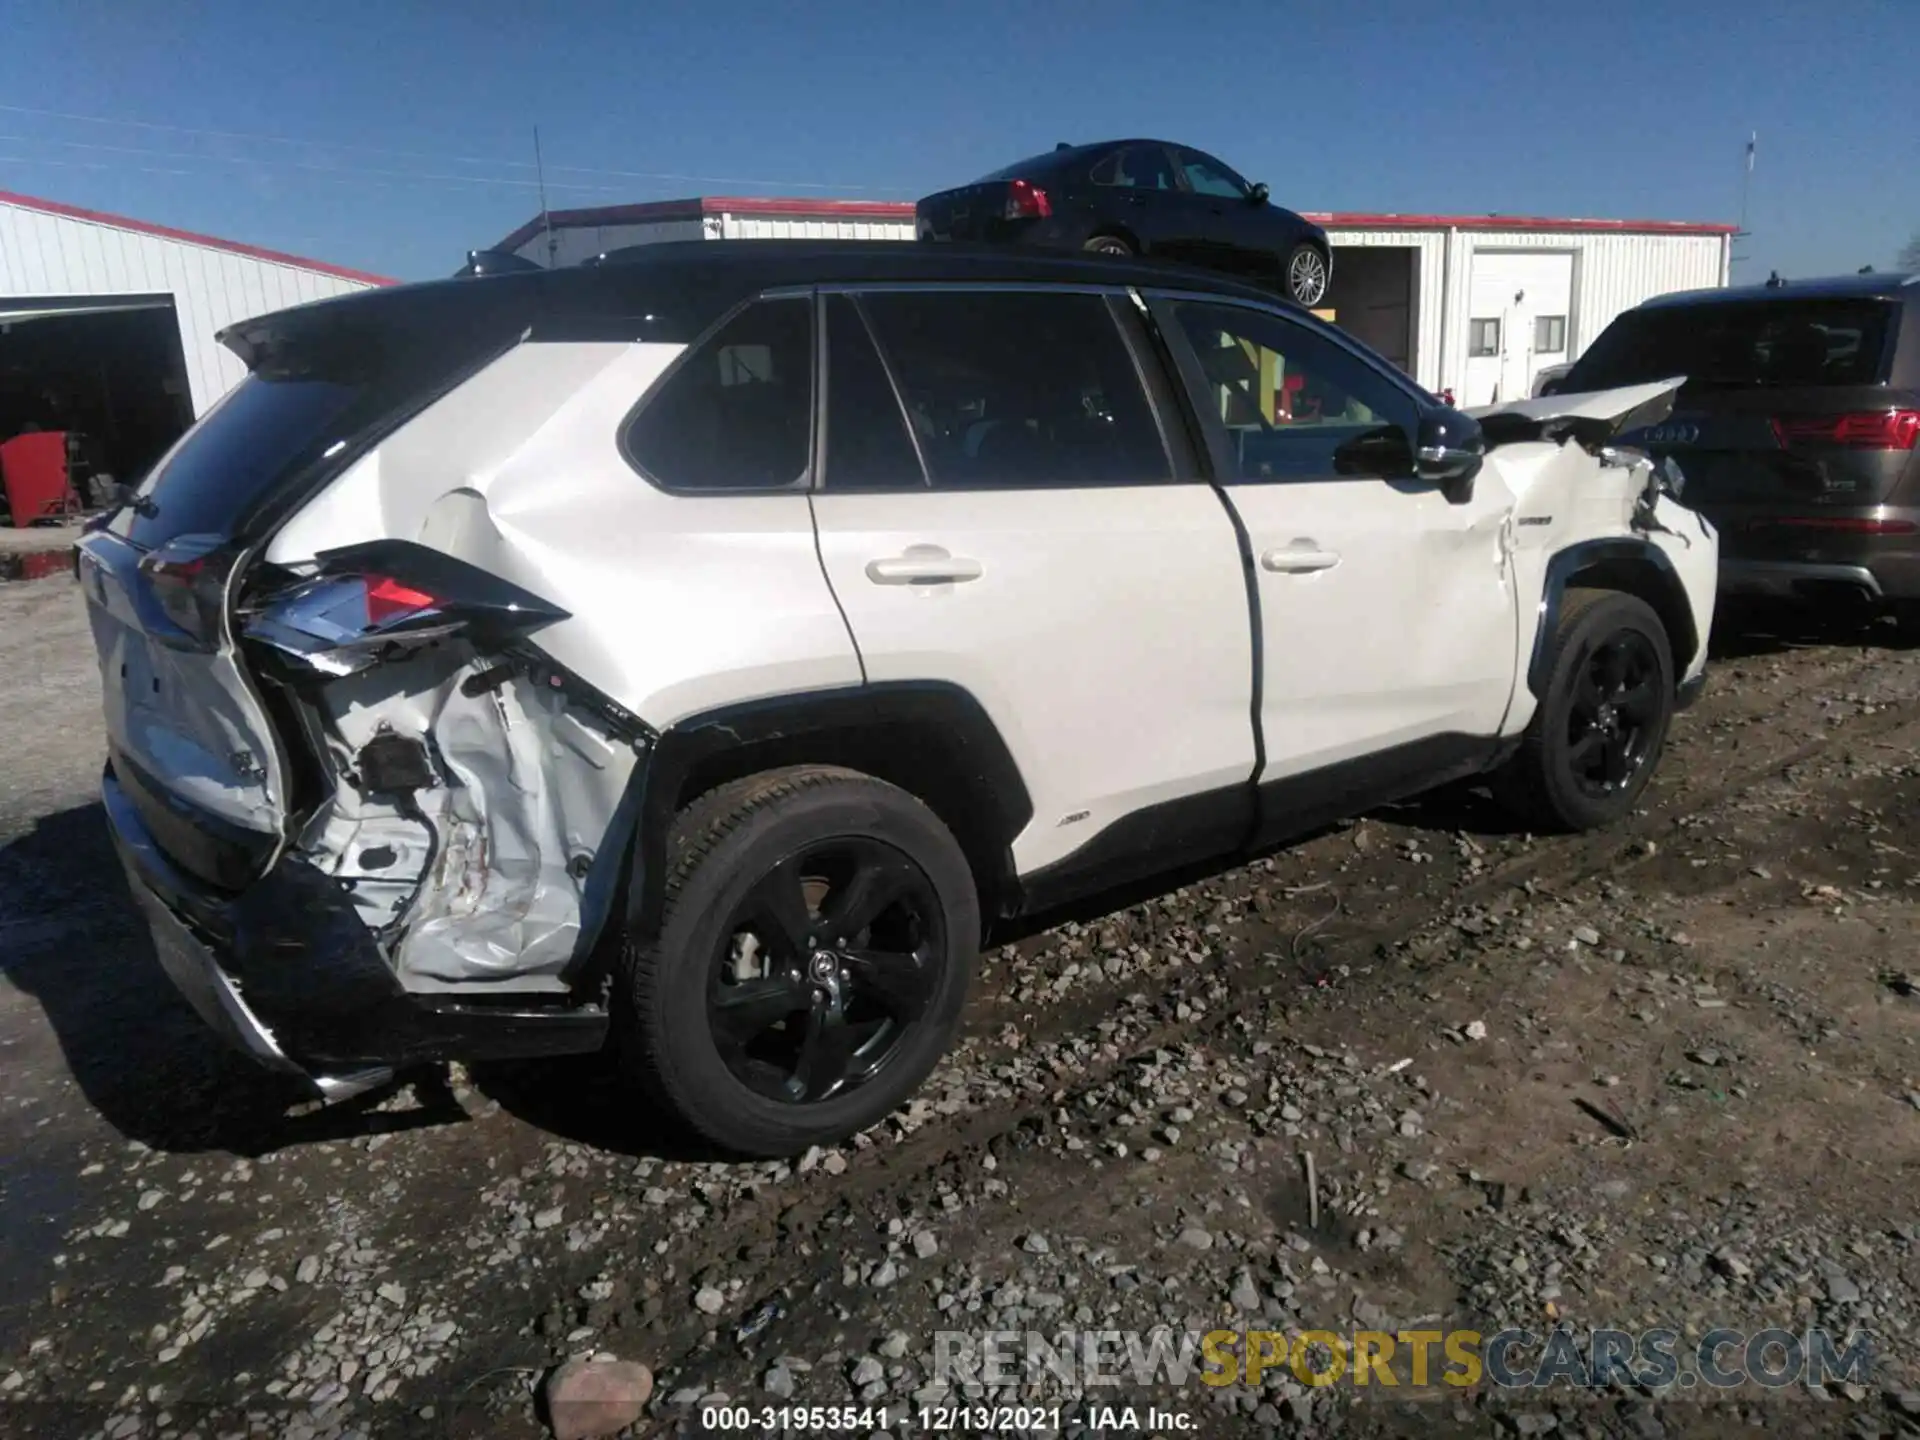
(1138,167)
(1023,388)
(1207,176)
(1289,398)
(736,414)
(868,447)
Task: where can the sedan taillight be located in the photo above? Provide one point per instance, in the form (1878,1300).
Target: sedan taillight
(1027,201)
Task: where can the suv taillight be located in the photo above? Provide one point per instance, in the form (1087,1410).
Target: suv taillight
(187,577)
(1027,201)
(1860,430)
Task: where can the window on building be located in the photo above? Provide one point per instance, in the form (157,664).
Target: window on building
(736,414)
(1018,389)
(1550,334)
(1292,400)
(1483,337)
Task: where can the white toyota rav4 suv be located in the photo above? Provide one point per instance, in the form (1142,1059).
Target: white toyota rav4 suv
(696,651)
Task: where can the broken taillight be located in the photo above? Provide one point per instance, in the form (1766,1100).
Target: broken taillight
(1857,430)
(368,599)
(389,600)
(187,579)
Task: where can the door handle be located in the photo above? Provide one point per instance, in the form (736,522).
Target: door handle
(923,565)
(1300,558)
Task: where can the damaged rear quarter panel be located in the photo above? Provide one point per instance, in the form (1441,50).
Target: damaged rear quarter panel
(677,603)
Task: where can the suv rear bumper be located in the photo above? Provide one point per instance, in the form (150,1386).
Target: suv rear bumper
(288,974)
(1775,550)
(1795,579)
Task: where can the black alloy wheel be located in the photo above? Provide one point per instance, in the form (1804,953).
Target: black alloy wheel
(817,933)
(1616,714)
(826,963)
(1107,245)
(1601,719)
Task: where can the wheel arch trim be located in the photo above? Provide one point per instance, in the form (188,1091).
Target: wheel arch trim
(841,721)
(1669,598)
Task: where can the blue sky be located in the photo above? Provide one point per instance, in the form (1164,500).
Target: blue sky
(394,136)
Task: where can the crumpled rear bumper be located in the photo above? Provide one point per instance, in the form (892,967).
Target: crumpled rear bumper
(287,973)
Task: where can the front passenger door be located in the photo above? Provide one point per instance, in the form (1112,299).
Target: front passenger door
(1388,611)
(1221,218)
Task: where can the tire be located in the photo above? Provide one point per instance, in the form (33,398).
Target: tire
(708,1012)
(1597,736)
(1306,273)
(1107,245)
(1906,620)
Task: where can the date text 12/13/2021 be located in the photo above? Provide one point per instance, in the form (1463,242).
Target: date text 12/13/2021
(939,1419)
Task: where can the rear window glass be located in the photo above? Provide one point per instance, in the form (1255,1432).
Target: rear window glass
(737,414)
(237,453)
(1025,169)
(1742,345)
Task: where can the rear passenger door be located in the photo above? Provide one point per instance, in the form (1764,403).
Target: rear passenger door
(1003,508)
(1140,194)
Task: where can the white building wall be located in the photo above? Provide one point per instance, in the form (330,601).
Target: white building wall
(760,227)
(44,254)
(1612,272)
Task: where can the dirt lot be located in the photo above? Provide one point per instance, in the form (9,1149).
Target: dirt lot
(1659,1078)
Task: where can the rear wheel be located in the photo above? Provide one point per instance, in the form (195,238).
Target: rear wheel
(1602,723)
(1107,245)
(814,950)
(1307,273)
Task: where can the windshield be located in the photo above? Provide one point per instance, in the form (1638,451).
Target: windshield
(1743,344)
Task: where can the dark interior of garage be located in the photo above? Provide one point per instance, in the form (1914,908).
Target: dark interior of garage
(1372,297)
(108,371)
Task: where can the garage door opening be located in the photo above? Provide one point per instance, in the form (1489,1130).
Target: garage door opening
(1372,297)
(108,370)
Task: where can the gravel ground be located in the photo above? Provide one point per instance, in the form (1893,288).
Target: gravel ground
(1661,1077)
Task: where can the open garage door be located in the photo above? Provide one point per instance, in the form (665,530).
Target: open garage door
(108,369)
(1372,297)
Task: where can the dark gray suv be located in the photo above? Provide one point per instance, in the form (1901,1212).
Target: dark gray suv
(1796,429)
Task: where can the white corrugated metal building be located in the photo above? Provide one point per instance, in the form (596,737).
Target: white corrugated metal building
(1473,304)
(107,323)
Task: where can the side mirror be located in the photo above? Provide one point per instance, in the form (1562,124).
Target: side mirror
(1383,452)
(1257,195)
(1449,448)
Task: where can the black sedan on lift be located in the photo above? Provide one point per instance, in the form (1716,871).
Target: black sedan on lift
(1138,197)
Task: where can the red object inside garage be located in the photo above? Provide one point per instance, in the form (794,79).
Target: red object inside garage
(33,468)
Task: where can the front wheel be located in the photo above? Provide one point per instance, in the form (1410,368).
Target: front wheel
(813,954)
(1602,723)
(1307,273)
